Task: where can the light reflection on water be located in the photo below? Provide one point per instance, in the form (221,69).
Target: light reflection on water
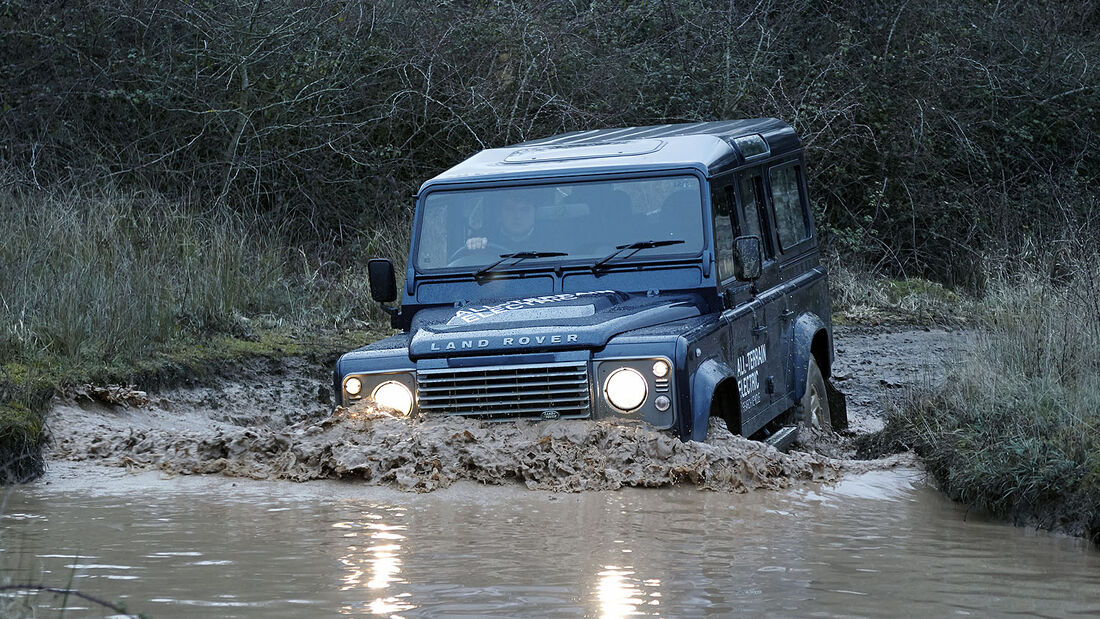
(378,557)
(621,594)
(869,545)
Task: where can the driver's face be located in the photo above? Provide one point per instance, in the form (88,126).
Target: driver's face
(518,219)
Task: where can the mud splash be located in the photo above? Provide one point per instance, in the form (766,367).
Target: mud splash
(421,456)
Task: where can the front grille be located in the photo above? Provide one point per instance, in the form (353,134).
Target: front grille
(506,392)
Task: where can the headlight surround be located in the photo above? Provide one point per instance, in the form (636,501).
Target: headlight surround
(626,389)
(394,395)
(612,402)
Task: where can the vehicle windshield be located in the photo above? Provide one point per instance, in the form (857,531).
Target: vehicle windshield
(584,220)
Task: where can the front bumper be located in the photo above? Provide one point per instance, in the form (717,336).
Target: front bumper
(493,391)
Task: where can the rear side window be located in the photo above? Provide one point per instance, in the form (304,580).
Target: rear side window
(791,225)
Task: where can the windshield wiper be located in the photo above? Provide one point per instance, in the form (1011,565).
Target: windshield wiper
(519,256)
(636,247)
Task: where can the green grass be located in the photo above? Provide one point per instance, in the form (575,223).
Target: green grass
(1015,428)
(22,431)
(102,286)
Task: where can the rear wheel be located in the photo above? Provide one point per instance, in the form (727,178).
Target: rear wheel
(813,409)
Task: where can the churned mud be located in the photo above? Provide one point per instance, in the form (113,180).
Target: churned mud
(874,363)
(273,421)
(425,455)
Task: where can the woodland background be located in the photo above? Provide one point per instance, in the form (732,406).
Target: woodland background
(938,135)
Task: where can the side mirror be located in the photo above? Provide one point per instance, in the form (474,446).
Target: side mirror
(747,258)
(383,284)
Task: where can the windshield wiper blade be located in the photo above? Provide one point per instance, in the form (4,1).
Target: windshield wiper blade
(636,247)
(518,256)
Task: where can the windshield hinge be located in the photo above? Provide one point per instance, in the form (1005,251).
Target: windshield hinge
(395,315)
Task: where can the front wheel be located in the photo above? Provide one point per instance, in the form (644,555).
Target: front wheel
(813,408)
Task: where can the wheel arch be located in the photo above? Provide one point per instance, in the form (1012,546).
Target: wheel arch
(811,338)
(725,404)
(713,387)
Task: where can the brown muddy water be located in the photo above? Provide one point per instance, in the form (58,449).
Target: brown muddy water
(872,544)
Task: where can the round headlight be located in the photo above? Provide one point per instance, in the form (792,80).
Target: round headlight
(393,395)
(625,389)
(660,368)
(353,386)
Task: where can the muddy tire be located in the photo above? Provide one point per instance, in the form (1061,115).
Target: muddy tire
(813,409)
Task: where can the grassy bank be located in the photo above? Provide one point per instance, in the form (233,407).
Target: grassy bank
(1015,428)
(101,286)
(864,295)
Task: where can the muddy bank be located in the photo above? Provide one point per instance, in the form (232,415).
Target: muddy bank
(873,364)
(273,422)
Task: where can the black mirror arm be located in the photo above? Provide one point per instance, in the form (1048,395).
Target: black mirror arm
(395,315)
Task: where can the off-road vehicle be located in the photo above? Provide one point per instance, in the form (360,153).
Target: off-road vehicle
(667,273)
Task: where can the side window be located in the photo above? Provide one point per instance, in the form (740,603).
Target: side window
(723,232)
(790,218)
(752,208)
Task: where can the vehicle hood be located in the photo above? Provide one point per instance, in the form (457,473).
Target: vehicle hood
(551,322)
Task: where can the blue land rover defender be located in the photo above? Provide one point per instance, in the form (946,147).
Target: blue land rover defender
(667,274)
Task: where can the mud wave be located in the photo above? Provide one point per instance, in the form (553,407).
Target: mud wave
(421,456)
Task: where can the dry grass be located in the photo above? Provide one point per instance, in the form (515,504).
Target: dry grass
(109,274)
(102,274)
(862,295)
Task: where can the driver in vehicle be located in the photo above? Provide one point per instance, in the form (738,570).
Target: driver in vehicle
(517,227)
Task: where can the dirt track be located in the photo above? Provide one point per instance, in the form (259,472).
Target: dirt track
(272,421)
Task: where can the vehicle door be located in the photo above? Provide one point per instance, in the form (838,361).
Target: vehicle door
(745,338)
(763,361)
(796,256)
